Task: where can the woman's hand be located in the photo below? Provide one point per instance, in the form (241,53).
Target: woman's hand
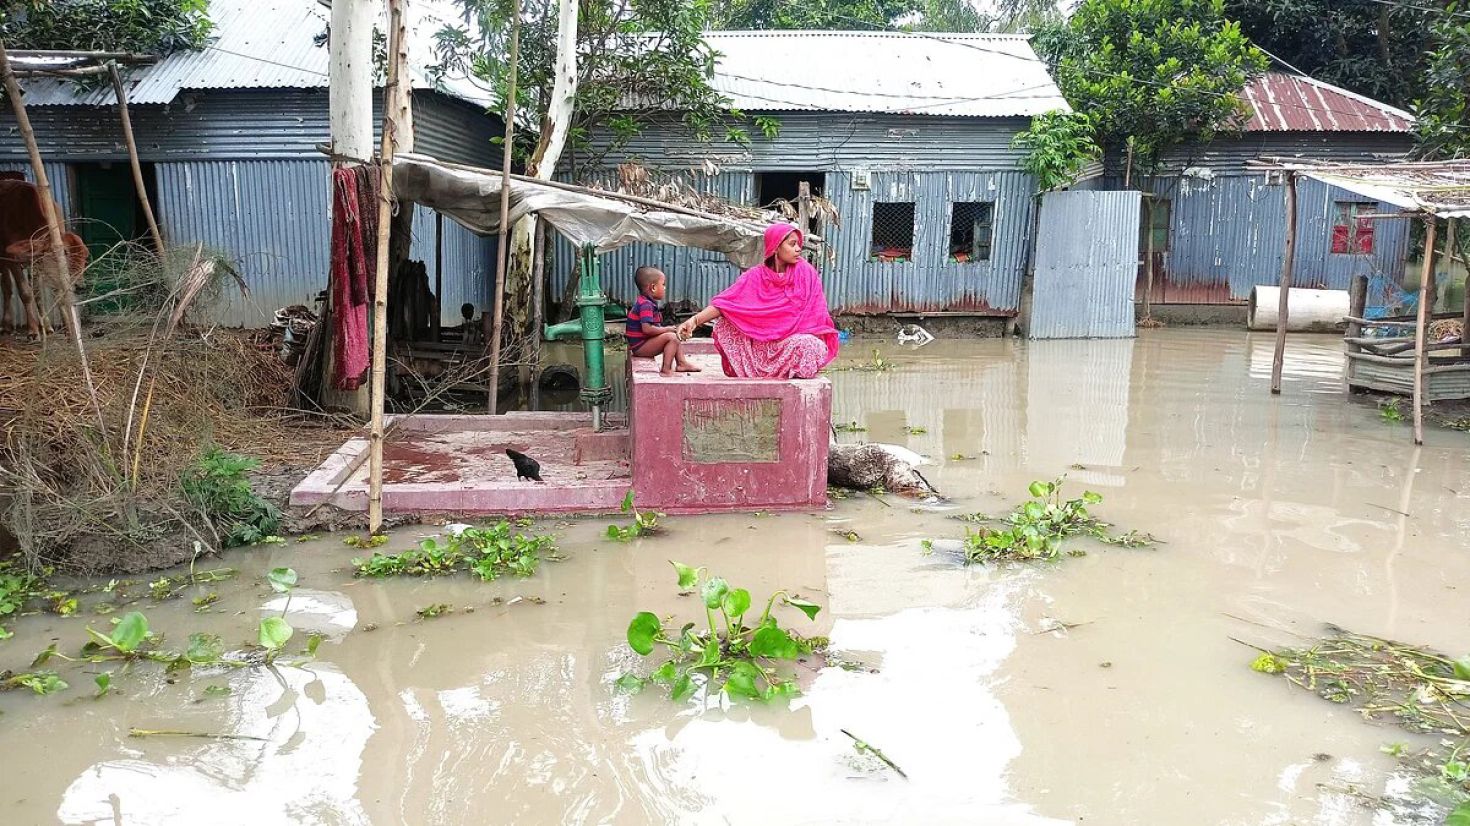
(686,329)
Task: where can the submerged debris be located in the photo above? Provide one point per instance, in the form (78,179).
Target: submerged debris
(1420,689)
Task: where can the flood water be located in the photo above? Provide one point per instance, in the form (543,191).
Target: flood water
(1280,514)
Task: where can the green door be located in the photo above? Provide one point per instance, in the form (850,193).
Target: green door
(107,214)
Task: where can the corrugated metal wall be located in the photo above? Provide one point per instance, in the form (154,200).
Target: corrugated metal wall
(1087,267)
(272,217)
(1227,156)
(1228,234)
(854,284)
(833,141)
(237,124)
(57,175)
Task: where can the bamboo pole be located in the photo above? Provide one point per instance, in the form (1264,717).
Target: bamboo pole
(502,243)
(1426,298)
(1279,357)
(127,128)
(438,276)
(392,91)
(53,227)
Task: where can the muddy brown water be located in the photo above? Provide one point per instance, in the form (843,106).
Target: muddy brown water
(1280,514)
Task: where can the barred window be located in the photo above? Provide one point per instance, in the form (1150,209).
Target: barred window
(893,232)
(1155,222)
(970,227)
(1351,233)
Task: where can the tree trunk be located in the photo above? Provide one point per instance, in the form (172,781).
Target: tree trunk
(350,113)
(555,126)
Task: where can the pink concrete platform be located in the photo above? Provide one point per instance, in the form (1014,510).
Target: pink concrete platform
(705,442)
(457,464)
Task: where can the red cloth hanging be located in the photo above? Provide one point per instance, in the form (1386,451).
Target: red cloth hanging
(354,261)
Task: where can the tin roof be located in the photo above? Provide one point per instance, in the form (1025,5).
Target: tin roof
(1283,102)
(1440,188)
(971,75)
(262,44)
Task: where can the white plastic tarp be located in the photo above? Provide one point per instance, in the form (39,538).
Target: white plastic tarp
(472,197)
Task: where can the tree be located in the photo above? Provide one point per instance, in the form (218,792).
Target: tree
(1374,49)
(1443,113)
(879,15)
(1153,73)
(1058,146)
(158,27)
(609,66)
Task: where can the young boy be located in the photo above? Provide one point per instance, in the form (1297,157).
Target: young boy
(647,337)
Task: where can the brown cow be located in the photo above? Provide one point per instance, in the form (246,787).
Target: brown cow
(25,242)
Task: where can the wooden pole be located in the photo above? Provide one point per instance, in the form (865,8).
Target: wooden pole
(438,276)
(538,308)
(1148,261)
(502,246)
(127,129)
(392,92)
(53,227)
(1426,299)
(1279,357)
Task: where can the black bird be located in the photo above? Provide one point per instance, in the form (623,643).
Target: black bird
(526,467)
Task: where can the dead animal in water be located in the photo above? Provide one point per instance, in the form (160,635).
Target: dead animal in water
(526,467)
(867,466)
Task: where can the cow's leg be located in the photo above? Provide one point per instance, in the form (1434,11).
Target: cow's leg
(9,272)
(34,322)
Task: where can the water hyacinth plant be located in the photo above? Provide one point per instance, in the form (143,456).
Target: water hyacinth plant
(726,656)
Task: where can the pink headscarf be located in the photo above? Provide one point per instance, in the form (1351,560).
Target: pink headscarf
(767,306)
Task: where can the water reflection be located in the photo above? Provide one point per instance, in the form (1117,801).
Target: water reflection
(312,726)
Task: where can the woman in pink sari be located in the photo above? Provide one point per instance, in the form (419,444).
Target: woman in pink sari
(773,321)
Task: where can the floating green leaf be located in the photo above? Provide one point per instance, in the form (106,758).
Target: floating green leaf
(774,642)
(215,691)
(642,631)
(683,688)
(1268,663)
(312,643)
(714,592)
(710,656)
(104,682)
(1460,816)
(1040,489)
(281,579)
(736,602)
(808,608)
(1462,668)
(742,680)
(688,577)
(664,674)
(630,683)
(275,633)
(130,632)
(205,648)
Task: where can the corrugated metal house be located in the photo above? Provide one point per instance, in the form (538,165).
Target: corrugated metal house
(909,135)
(1219,228)
(228,139)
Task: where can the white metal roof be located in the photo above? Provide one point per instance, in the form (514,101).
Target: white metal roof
(264,44)
(973,75)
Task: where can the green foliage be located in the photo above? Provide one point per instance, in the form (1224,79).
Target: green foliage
(218,486)
(636,63)
(158,27)
(168,587)
(40,682)
(1374,49)
(376,540)
(644,522)
(1153,73)
(1058,146)
(1422,690)
(488,552)
(876,15)
(438,609)
(1443,110)
(1036,528)
(728,655)
(17,588)
(1390,411)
